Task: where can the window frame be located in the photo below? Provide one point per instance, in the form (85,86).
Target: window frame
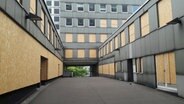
(80,5)
(114,8)
(66,22)
(89,7)
(66,6)
(78,21)
(101,9)
(124,5)
(89,21)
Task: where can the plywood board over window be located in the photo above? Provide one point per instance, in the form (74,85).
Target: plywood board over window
(123,41)
(80,37)
(43,21)
(80,53)
(132,32)
(68,37)
(103,37)
(145,24)
(68,53)
(103,23)
(114,23)
(33,6)
(92,53)
(116,42)
(164,12)
(92,38)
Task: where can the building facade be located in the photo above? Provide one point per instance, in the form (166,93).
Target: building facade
(85,24)
(148,48)
(31,51)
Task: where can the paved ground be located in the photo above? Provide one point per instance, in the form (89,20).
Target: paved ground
(98,90)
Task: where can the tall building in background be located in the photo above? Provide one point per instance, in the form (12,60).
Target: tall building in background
(84,24)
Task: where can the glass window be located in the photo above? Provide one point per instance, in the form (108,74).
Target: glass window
(114,8)
(102,8)
(80,22)
(68,6)
(56,3)
(57,26)
(134,8)
(56,19)
(49,3)
(91,22)
(80,7)
(68,21)
(124,8)
(50,10)
(91,7)
(56,11)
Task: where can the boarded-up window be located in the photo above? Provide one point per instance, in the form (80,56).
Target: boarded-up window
(80,37)
(80,53)
(107,48)
(116,42)
(103,23)
(166,68)
(33,6)
(92,53)
(48,31)
(43,21)
(92,38)
(145,24)
(69,38)
(164,12)
(103,37)
(132,32)
(68,53)
(111,45)
(123,41)
(114,23)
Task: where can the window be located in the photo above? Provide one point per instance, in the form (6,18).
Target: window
(124,8)
(111,45)
(123,42)
(49,3)
(43,21)
(68,22)
(114,23)
(92,38)
(50,10)
(56,19)
(68,38)
(103,23)
(80,7)
(138,65)
(91,22)
(144,24)
(56,3)
(132,32)
(103,37)
(92,53)
(164,12)
(56,11)
(57,26)
(33,6)
(91,7)
(134,8)
(80,53)
(80,22)
(68,53)
(107,48)
(116,42)
(114,8)
(68,6)
(102,8)
(80,38)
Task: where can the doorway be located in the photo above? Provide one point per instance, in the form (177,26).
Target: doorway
(166,72)
(43,69)
(130,70)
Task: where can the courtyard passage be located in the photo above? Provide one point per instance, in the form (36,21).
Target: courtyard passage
(99,90)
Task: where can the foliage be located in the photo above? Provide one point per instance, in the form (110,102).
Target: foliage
(78,71)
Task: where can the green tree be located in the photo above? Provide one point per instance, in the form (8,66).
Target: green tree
(78,71)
